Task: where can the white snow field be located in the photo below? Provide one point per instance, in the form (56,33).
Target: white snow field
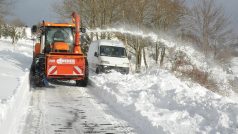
(158,102)
(147,103)
(14,83)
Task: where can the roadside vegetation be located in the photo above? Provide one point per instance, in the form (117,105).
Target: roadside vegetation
(15,28)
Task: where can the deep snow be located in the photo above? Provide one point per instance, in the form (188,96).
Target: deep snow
(158,102)
(14,80)
(14,64)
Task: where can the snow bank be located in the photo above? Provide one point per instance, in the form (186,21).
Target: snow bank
(158,102)
(12,111)
(14,76)
(197,59)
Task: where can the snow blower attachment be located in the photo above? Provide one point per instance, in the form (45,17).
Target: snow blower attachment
(58,55)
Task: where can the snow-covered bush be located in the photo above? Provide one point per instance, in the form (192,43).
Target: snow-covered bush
(14,32)
(187,62)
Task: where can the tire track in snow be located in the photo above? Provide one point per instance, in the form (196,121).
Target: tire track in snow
(68,110)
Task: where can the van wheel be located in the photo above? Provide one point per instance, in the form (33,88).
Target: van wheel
(82,83)
(97,70)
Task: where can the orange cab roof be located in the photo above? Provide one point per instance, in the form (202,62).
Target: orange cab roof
(58,24)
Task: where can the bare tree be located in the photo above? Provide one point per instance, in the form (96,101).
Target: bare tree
(207,25)
(15,30)
(2,14)
(142,14)
(136,13)
(166,13)
(17,22)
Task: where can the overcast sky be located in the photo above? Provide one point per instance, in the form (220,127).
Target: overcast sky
(33,11)
(231,9)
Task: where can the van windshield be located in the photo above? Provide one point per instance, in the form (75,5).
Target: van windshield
(112,51)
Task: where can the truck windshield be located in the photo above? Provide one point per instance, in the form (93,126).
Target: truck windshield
(112,51)
(59,34)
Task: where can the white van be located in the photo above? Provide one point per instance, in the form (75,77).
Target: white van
(106,55)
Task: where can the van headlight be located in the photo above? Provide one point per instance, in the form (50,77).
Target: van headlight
(105,62)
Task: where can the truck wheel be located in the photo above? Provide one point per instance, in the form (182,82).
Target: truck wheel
(38,68)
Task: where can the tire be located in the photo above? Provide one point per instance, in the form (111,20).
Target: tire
(127,71)
(38,81)
(84,82)
(97,71)
(38,71)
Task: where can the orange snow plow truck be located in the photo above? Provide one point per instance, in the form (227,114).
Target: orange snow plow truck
(58,54)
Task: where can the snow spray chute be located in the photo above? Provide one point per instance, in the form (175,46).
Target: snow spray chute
(76,20)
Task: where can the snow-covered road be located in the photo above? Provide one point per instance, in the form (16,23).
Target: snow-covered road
(70,110)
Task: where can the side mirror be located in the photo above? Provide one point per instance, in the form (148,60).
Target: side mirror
(129,56)
(34,29)
(83,30)
(96,54)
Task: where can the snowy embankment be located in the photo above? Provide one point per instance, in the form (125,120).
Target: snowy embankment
(14,80)
(191,60)
(158,102)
